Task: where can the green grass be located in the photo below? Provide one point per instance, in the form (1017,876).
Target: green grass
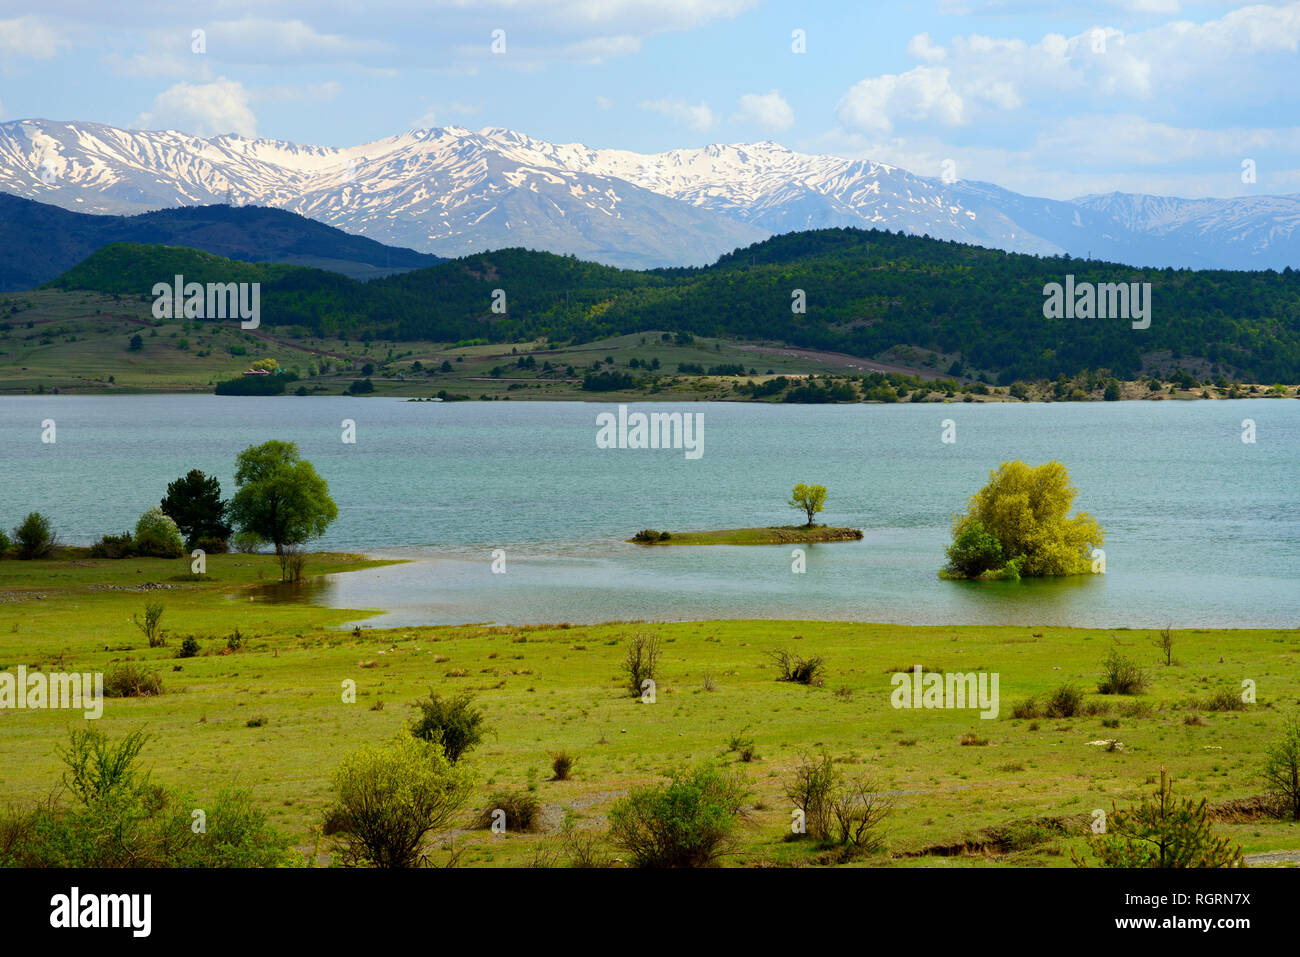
(271,716)
(771,535)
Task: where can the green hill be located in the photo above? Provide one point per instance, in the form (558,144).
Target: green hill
(868,293)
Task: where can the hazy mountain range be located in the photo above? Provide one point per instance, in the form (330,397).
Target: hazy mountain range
(451,191)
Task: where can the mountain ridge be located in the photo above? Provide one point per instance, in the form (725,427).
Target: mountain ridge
(452,191)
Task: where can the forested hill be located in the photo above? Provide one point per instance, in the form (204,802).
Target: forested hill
(866,291)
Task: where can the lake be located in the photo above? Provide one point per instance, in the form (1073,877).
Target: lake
(1202,528)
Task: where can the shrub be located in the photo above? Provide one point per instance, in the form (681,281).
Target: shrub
(518,811)
(561,766)
(34,537)
(804,671)
(742,745)
(1282,768)
(647,535)
(1162,832)
(688,822)
(119,818)
(836,810)
(1065,702)
(157,535)
(258,722)
(453,723)
(153,612)
(113,546)
(189,647)
(1029,708)
(5,543)
(811,791)
(246,543)
(390,798)
(129,681)
(1224,699)
(973,552)
(212,546)
(292,561)
(641,660)
(1121,675)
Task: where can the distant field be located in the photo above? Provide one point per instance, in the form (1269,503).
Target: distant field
(78,342)
(551,687)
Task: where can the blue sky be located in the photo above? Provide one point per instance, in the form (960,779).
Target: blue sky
(1046,98)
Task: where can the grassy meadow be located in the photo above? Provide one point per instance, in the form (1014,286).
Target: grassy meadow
(271,716)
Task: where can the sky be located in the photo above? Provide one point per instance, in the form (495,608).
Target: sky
(1047,98)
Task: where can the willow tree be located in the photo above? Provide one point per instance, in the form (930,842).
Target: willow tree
(1020,522)
(282,500)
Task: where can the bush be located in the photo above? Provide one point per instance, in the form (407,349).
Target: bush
(390,799)
(113,546)
(647,535)
(5,543)
(454,724)
(1121,675)
(34,537)
(1029,708)
(1224,699)
(804,671)
(518,807)
(157,535)
(153,612)
(973,552)
(1162,832)
(1065,702)
(811,791)
(189,647)
(119,818)
(561,766)
(212,546)
(130,681)
(246,543)
(641,660)
(1282,768)
(688,822)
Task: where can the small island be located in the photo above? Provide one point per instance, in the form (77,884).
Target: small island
(809,499)
(771,535)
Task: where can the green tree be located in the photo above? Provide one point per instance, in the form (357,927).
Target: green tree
(390,798)
(1026,509)
(1162,832)
(194,503)
(453,723)
(34,537)
(809,499)
(1112,393)
(280,497)
(136,343)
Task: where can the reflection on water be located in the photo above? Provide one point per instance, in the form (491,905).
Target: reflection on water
(311,591)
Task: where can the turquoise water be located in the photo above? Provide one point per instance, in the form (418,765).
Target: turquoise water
(1202,529)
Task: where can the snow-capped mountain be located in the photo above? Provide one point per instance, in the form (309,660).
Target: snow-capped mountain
(452,191)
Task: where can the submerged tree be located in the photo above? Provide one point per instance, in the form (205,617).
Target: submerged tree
(1021,517)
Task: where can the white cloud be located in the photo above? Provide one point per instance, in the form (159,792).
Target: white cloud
(260,40)
(768,110)
(203,109)
(604,103)
(922,93)
(920,48)
(30,37)
(697,117)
